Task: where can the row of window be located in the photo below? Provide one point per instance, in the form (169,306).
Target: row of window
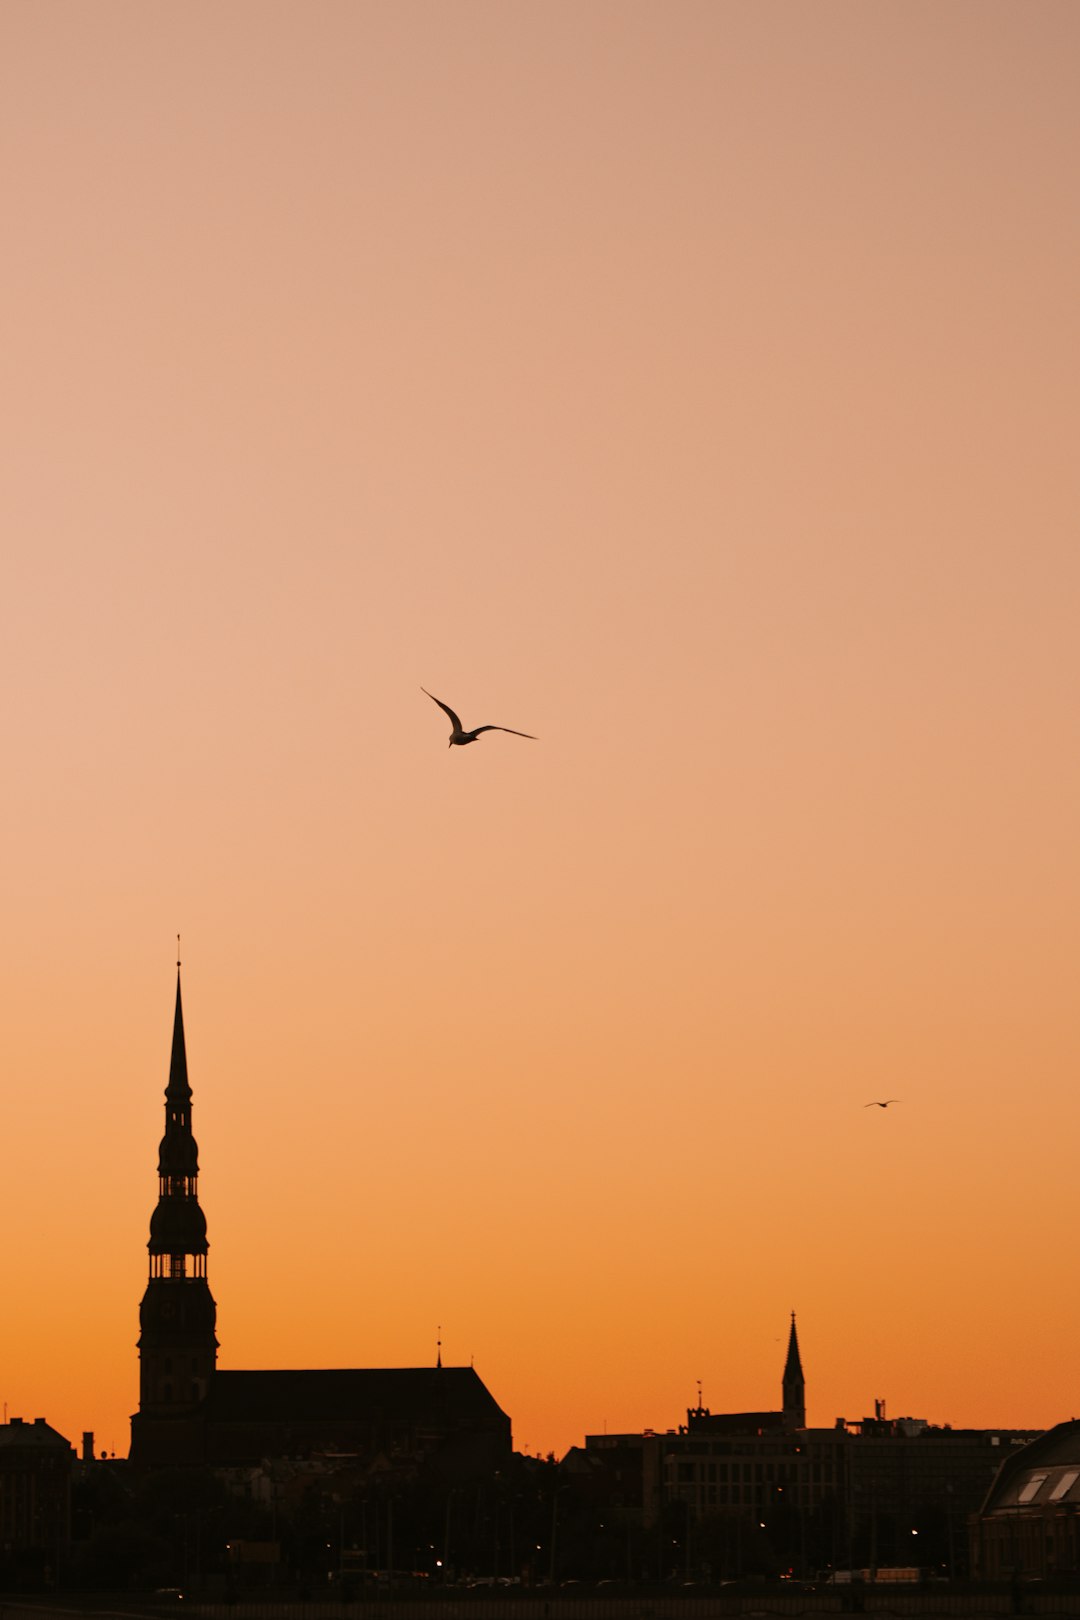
(195,1364)
(762,1473)
(195,1393)
(177,1267)
(1061,1488)
(740,1447)
(178,1186)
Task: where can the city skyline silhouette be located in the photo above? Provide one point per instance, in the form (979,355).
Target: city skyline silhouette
(695,387)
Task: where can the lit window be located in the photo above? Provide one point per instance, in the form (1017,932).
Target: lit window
(1032,1487)
(1065,1484)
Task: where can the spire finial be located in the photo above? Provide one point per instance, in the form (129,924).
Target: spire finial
(178,953)
(438,1343)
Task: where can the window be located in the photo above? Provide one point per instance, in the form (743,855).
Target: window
(1065,1484)
(1031,1487)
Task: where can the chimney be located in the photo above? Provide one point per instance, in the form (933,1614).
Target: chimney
(88,1445)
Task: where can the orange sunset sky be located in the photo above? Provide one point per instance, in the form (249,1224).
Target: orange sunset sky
(695,386)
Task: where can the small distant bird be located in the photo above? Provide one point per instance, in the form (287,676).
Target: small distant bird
(459,736)
(884,1104)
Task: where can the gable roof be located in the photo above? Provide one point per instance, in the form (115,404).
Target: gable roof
(1036,1474)
(18,1434)
(358,1394)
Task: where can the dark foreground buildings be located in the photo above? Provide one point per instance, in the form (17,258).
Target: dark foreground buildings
(761,1492)
(1030,1520)
(35,1501)
(338,1479)
(440,1420)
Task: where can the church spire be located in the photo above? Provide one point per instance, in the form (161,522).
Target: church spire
(794,1383)
(178,1089)
(178,1165)
(177,1345)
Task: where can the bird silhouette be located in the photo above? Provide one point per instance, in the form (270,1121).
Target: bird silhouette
(459,736)
(884,1104)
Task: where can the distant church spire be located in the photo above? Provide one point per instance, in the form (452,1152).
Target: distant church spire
(794,1383)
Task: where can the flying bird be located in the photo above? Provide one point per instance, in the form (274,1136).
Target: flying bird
(884,1104)
(460,736)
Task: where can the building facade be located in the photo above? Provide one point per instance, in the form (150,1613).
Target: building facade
(1029,1524)
(35,1501)
(762,1492)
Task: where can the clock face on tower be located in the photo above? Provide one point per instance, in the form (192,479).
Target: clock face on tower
(168,1310)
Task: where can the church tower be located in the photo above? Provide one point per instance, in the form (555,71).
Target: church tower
(794,1384)
(177,1344)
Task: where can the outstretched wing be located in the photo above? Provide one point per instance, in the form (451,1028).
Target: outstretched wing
(510,729)
(445,707)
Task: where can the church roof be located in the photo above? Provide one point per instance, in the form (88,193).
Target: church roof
(364,1394)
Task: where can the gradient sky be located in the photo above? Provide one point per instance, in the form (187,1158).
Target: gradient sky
(695,386)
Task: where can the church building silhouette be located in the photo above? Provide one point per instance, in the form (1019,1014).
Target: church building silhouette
(441,1419)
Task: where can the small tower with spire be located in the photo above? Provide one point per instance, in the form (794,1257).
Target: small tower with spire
(794,1384)
(178,1317)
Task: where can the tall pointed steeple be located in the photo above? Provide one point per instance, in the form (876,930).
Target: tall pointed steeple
(178,1317)
(794,1384)
(178,1088)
